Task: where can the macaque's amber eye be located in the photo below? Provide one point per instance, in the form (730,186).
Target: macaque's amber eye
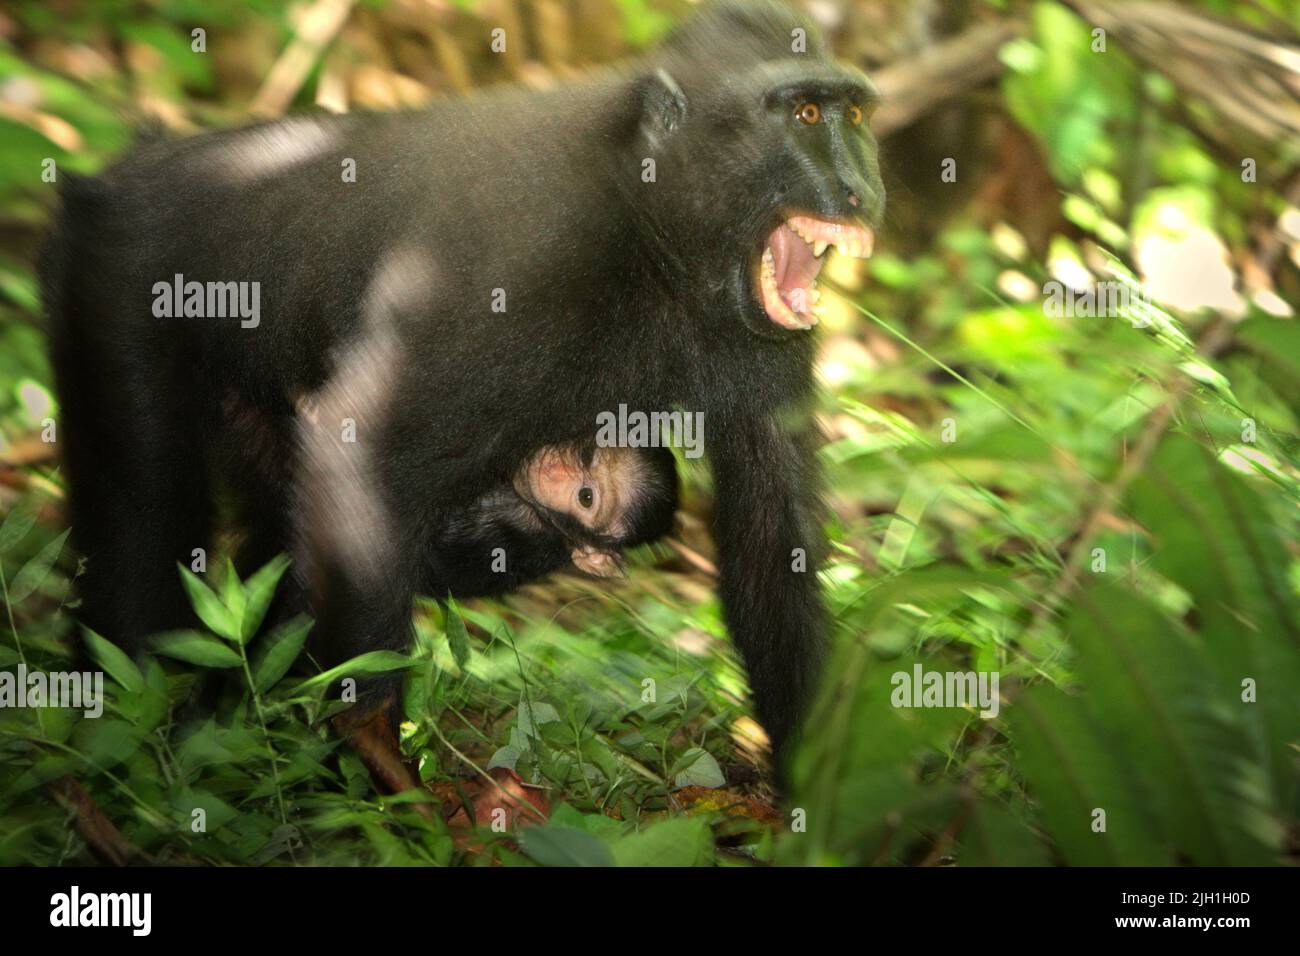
(808,113)
(585,497)
(855,114)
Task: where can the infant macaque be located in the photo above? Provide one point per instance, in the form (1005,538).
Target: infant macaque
(566,504)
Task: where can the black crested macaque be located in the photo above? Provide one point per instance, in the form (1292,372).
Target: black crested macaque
(455,288)
(566,507)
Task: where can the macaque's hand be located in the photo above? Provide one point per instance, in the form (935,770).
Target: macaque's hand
(598,561)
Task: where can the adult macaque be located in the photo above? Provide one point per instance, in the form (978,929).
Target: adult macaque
(501,269)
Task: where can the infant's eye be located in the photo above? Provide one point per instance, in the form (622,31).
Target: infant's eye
(585,497)
(808,113)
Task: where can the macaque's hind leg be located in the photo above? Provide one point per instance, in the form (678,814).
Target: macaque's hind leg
(138,490)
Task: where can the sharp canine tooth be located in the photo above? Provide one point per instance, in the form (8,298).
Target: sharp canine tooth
(820,246)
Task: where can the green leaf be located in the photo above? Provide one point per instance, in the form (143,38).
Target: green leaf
(209,608)
(278,651)
(457,636)
(994,836)
(196,648)
(564,846)
(699,769)
(1277,341)
(865,792)
(148,708)
(217,812)
(18,522)
(533,715)
(1149,683)
(685,841)
(106,742)
(30,576)
(115,662)
(1213,536)
(258,592)
(231,593)
(371,662)
(1072,771)
(45,769)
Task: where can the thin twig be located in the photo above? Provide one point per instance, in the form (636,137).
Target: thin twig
(316,31)
(1111,494)
(104,839)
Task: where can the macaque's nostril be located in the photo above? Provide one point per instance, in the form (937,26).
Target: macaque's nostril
(853,200)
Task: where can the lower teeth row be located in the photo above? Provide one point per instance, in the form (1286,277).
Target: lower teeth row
(812,296)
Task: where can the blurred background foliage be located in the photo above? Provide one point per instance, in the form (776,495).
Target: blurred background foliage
(1101,508)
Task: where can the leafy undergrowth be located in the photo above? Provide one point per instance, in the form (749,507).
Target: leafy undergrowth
(581,725)
(614,735)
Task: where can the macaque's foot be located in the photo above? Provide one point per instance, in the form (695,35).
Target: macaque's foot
(370,732)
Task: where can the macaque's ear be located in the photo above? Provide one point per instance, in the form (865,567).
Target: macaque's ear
(663,107)
(597,561)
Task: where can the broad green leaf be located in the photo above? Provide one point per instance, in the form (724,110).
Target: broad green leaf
(699,769)
(196,648)
(18,522)
(277,652)
(231,594)
(371,662)
(258,591)
(105,742)
(533,715)
(506,756)
(147,708)
(46,768)
(1074,771)
(1149,684)
(115,662)
(457,637)
(994,836)
(208,606)
(1212,536)
(864,791)
(685,841)
(1277,341)
(186,800)
(564,846)
(35,571)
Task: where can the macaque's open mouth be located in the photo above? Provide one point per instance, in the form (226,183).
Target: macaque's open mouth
(792,259)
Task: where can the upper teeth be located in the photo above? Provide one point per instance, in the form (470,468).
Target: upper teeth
(848,240)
